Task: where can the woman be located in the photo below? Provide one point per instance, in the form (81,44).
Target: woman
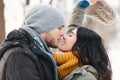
(87,58)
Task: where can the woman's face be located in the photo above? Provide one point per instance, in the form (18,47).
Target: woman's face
(68,41)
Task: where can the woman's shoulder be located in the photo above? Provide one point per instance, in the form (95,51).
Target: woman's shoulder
(86,72)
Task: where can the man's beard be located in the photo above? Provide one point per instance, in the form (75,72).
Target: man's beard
(51,44)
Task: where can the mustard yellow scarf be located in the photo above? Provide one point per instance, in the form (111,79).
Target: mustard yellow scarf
(66,62)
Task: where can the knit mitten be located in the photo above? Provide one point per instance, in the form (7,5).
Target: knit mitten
(102,12)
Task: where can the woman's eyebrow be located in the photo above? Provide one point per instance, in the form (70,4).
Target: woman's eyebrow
(70,32)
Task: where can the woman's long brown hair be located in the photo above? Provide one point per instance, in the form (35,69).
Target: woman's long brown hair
(90,45)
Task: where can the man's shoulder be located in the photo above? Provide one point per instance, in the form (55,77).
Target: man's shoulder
(21,52)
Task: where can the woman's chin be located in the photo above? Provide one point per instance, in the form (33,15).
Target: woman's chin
(63,49)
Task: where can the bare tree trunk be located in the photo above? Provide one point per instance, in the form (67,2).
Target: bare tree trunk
(40,1)
(75,1)
(27,2)
(50,2)
(2,21)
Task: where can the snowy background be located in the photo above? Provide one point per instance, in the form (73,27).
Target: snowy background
(14,15)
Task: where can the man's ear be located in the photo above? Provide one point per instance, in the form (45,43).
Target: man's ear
(43,35)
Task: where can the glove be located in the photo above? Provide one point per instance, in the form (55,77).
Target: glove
(82,4)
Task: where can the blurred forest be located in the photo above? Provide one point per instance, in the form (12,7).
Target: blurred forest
(12,15)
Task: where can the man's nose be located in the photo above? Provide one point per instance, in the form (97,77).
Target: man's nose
(62,32)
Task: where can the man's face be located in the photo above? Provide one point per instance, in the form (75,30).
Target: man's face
(52,37)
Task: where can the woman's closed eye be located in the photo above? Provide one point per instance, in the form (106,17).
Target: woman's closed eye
(70,34)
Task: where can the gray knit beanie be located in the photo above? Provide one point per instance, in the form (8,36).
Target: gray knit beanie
(43,18)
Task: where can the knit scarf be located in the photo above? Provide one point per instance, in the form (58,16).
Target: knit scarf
(66,62)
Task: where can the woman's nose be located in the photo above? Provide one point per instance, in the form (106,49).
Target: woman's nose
(64,37)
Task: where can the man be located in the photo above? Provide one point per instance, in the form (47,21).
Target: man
(28,48)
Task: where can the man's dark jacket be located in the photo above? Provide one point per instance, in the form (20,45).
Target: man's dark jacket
(27,61)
